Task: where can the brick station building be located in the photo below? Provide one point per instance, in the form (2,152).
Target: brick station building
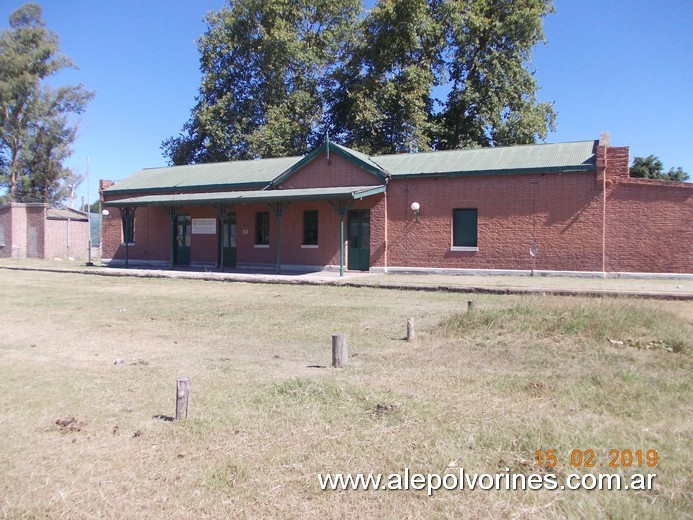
(568,207)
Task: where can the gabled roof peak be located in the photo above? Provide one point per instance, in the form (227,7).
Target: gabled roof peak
(359,159)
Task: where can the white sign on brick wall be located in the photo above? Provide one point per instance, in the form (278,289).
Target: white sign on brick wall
(204,226)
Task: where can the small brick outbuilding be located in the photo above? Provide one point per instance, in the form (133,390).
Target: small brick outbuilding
(36,230)
(545,207)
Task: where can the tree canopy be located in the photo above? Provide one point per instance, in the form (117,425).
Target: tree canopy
(36,130)
(651,167)
(407,76)
(492,100)
(382,101)
(265,67)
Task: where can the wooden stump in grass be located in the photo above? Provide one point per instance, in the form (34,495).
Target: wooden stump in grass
(182,397)
(410,329)
(471,305)
(340,351)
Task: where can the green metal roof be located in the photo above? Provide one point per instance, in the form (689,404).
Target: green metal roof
(205,176)
(248,197)
(534,158)
(575,156)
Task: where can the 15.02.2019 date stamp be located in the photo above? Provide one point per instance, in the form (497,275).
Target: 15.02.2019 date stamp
(588,458)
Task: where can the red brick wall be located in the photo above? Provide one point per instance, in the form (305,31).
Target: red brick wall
(56,239)
(112,236)
(29,234)
(19,231)
(24,230)
(327,252)
(5,232)
(204,249)
(561,213)
(35,230)
(153,235)
(649,227)
(648,223)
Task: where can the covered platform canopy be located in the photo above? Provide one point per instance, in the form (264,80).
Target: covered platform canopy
(340,198)
(256,196)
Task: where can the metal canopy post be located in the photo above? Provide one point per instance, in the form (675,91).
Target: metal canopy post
(223,212)
(172,213)
(341,207)
(127,215)
(278,208)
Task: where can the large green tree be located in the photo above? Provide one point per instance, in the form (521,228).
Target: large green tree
(383,100)
(476,51)
(265,67)
(36,128)
(651,167)
(492,99)
(407,76)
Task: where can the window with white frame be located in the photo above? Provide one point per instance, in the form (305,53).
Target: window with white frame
(464,229)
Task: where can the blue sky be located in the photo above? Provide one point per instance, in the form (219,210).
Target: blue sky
(624,67)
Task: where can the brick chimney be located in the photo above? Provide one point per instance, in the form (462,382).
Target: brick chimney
(612,161)
(104,184)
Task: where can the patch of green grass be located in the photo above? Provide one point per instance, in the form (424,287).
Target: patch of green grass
(594,321)
(224,476)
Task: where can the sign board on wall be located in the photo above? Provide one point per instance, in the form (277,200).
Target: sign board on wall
(204,226)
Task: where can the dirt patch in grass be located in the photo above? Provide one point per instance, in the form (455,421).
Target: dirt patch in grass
(481,390)
(70,425)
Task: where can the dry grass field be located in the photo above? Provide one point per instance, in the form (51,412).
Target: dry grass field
(82,437)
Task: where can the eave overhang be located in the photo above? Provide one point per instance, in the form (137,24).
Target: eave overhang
(249,197)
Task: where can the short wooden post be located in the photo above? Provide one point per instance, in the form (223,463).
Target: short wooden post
(182,397)
(410,329)
(471,305)
(340,352)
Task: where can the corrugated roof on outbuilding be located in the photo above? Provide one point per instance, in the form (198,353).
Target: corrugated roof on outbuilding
(66,214)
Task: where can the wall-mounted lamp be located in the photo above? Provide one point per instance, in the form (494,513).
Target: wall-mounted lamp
(105,213)
(416,207)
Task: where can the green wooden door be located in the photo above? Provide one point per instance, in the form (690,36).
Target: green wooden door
(182,240)
(228,241)
(359,226)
